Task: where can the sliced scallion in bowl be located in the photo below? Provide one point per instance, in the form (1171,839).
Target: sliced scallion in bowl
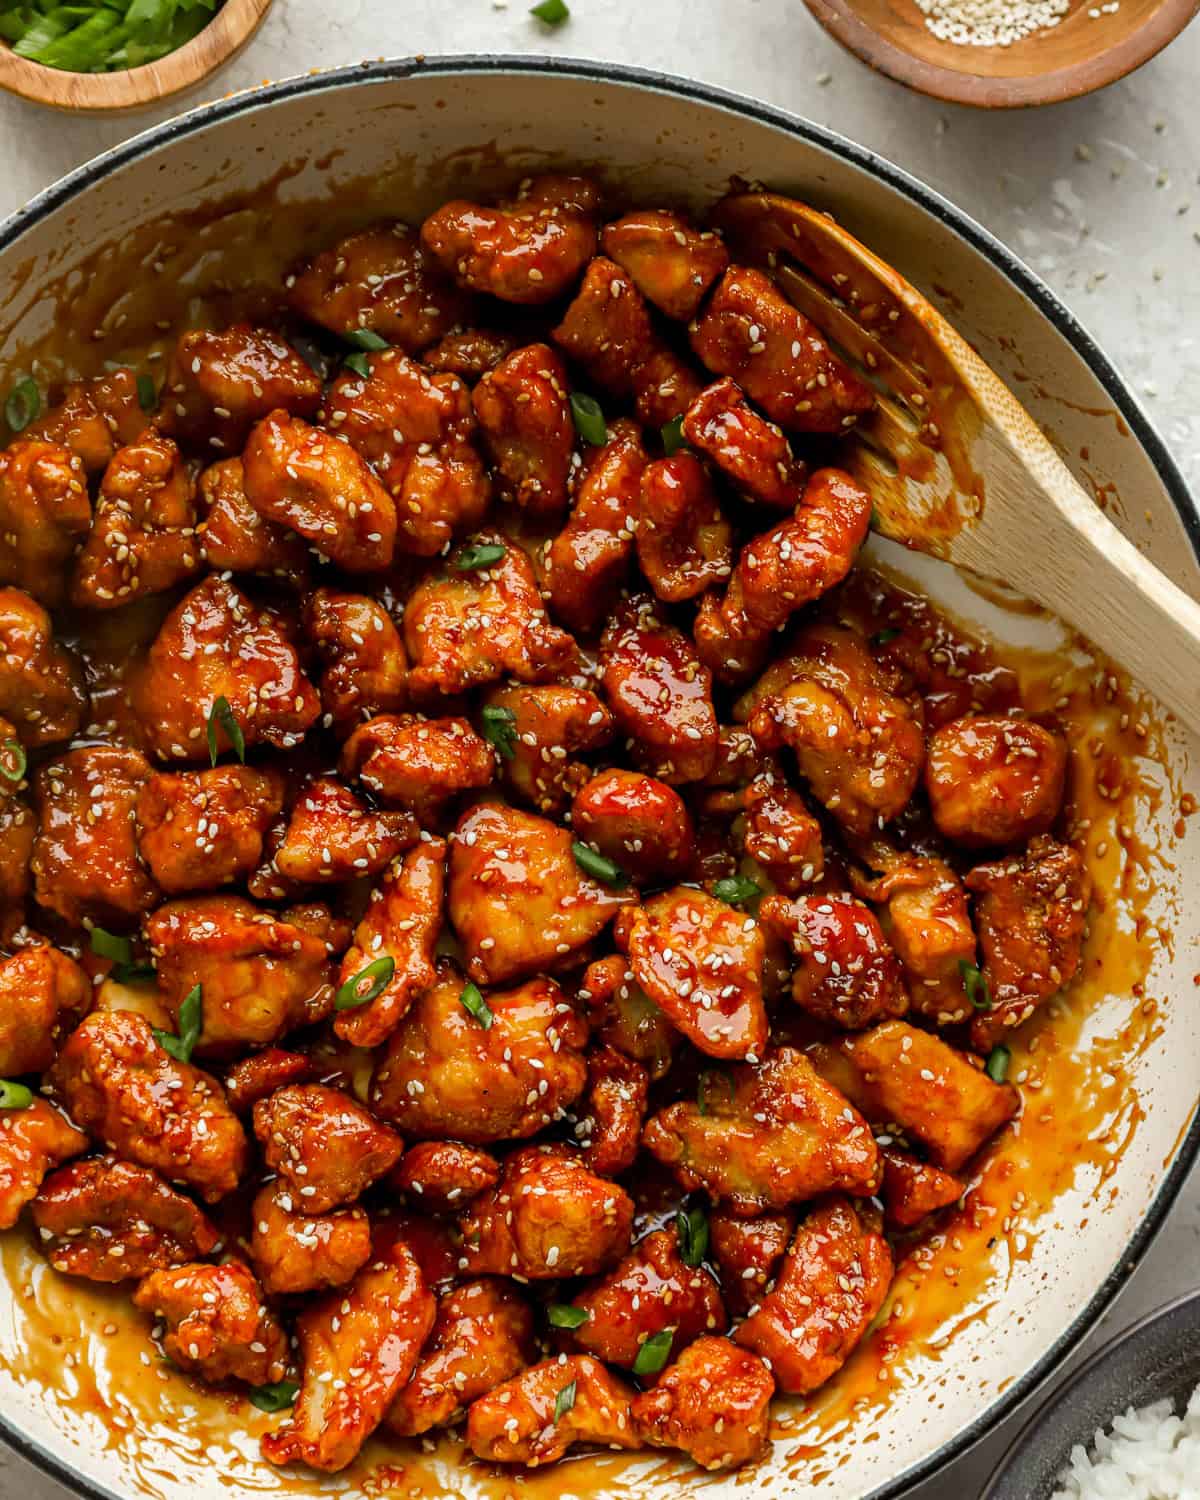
(101,36)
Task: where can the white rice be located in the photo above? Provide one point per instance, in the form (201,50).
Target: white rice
(1149,1454)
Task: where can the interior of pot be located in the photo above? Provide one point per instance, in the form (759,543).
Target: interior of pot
(220,203)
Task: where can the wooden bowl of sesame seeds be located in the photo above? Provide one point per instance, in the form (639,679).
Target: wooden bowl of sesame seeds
(1004,54)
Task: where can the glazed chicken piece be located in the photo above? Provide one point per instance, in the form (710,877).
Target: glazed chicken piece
(833,1281)
(747,1253)
(365,662)
(220,382)
(781,834)
(1031,914)
(197,830)
(433,1243)
(524,413)
(217,643)
(994,780)
(85,861)
(333,836)
(588,560)
(794,563)
(234,537)
(402,922)
(359,1348)
(260,1074)
(752,453)
(18,831)
(108,1220)
(307,479)
(684,543)
(466,629)
(858,743)
(624,1016)
(41,685)
(547,1217)
(445,1074)
(419,763)
(610,1132)
(482,1335)
(651,1291)
(33,1141)
(218,1326)
(913,1189)
(122,1087)
(93,418)
(442,1177)
(542,728)
(295,1252)
(417,432)
(383,280)
(470,353)
(749,330)
(714,1403)
(528,249)
(769,1134)
(260,975)
(639,823)
(664,386)
(606,330)
(517,897)
(660,694)
(45,513)
(325,1146)
(739,760)
(898,1075)
(669,260)
(41,992)
(535,1418)
(845,973)
(701,963)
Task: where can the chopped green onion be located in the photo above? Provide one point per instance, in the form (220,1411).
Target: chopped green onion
(111,945)
(13,760)
(553,12)
(475,1005)
(366,338)
(598,866)
(147,395)
(102,35)
(672,435)
(564,1401)
(274,1397)
(736,888)
(654,1353)
(190,1023)
(882,637)
(589,419)
(997,1063)
(360,364)
(691,1225)
(976,985)
(499,729)
(482,555)
(378,975)
(14,1095)
(563,1315)
(222,716)
(23,404)
(703,1088)
(127,973)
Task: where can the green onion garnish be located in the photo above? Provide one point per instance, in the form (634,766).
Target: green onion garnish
(564,1401)
(111,945)
(360,364)
(23,404)
(654,1353)
(553,12)
(976,985)
(13,760)
(14,1095)
(997,1063)
(376,976)
(598,866)
(499,729)
(882,637)
(102,37)
(190,1023)
(147,395)
(589,419)
(366,338)
(222,716)
(563,1315)
(274,1397)
(691,1225)
(736,888)
(706,1080)
(482,555)
(672,435)
(475,1005)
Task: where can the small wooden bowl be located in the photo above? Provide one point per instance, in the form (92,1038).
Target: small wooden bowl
(1081,53)
(136,88)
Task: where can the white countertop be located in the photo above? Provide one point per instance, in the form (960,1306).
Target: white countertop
(1100,196)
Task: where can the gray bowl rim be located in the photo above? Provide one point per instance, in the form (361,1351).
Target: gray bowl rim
(1123,1347)
(953,218)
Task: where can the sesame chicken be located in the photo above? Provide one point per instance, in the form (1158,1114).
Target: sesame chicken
(418,763)
(366,667)
(45,513)
(524,415)
(713,1403)
(234,537)
(752,453)
(780,833)
(610,1132)
(766,1135)
(18,832)
(446,1075)
(664,386)
(470,353)
(108,1220)
(295,1251)
(624,1016)
(845,972)
(528,1420)
(198,830)
(253,1078)
(994,780)
(528,249)
(41,685)
(543,728)
(33,1141)
(683,540)
(747,1252)
(359,1347)
(93,418)
(672,263)
(482,1336)
(42,992)
(325,1146)
(220,382)
(217,1325)
(443,1176)
(333,836)
(606,330)
(834,1278)
(122,1087)
(641,824)
(913,1189)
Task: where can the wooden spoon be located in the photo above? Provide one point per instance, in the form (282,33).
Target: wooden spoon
(955,464)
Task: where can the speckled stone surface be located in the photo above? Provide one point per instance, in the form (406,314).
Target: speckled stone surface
(1100,196)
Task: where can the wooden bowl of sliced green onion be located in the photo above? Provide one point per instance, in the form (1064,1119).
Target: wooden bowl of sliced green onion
(118,54)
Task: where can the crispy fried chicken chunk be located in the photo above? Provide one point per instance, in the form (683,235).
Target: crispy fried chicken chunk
(752,453)
(443,1176)
(260,1074)
(641,824)
(295,1251)
(994,780)
(846,974)
(45,513)
(41,685)
(525,416)
(325,1146)
(669,260)
(470,353)
(606,330)
(528,1421)
(218,1326)
(365,662)
(611,1130)
(418,763)
(41,992)
(544,727)
(332,835)
(684,543)
(234,536)
(93,418)
(625,1017)
(747,1253)
(197,830)
(913,1189)
(33,1140)
(713,1403)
